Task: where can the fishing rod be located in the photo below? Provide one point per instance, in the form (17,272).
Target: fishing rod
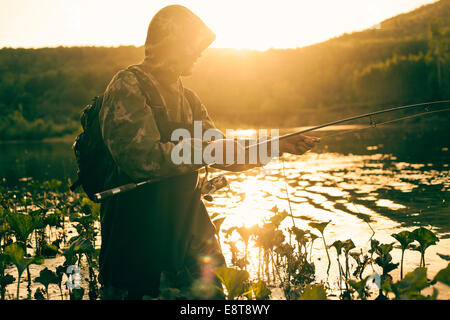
(371,114)
(385,122)
(220,181)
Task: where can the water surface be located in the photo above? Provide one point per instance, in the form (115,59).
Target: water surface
(387,179)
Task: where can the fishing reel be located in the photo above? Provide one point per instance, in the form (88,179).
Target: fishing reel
(211,186)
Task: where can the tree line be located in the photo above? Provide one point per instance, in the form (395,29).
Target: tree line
(42,91)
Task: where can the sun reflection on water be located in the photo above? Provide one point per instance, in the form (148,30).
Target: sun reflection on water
(350,190)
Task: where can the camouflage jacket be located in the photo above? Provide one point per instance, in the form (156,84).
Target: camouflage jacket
(131,133)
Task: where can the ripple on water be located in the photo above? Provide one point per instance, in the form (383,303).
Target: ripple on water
(349,190)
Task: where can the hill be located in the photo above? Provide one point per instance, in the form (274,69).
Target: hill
(406,60)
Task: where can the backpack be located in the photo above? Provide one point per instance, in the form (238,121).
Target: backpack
(91,154)
(93,158)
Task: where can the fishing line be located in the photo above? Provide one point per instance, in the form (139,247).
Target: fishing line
(287,193)
(371,114)
(384,123)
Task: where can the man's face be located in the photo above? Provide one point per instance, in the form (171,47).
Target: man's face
(189,64)
(190,59)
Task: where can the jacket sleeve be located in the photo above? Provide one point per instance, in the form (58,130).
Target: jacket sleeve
(131,134)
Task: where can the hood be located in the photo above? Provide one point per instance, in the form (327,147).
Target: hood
(174,33)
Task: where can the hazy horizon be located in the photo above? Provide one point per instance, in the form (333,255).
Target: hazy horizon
(72,23)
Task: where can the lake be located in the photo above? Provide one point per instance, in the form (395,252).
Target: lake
(395,178)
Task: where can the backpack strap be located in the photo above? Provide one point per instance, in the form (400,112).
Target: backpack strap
(154,99)
(194,104)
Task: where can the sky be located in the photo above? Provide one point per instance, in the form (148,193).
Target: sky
(241,24)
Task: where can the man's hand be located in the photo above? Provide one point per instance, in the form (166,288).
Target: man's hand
(298,144)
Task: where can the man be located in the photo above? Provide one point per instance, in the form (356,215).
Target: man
(161,227)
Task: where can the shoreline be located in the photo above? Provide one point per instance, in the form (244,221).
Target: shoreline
(243,127)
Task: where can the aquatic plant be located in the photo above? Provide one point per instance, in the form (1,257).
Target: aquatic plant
(405,238)
(361,261)
(321,227)
(425,238)
(260,290)
(314,293)
(338,244)
(360,287)
(17,257)
(34,218)
(5,279)
(409,288)
(235,282)
(443,276)
(47,277)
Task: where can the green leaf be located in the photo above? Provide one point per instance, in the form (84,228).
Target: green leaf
(77,294)
(79,245)
(39,294)
(374,245)
(23,225)
(89,207)
(17,257)
(245,233)
(389,267)
(338,244)
(425,237)
(314,293)
(52,220)
(404,237)
(411,284)
(444,275)
(319,225)
(385,249)
(278,218)
(348,245)
(53,184)
(360,287)
(47,277)
(234,281)
(274,210)
(312,235)
(261,291)
(4,261)
(6,280)
(300,235)
(49,250)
